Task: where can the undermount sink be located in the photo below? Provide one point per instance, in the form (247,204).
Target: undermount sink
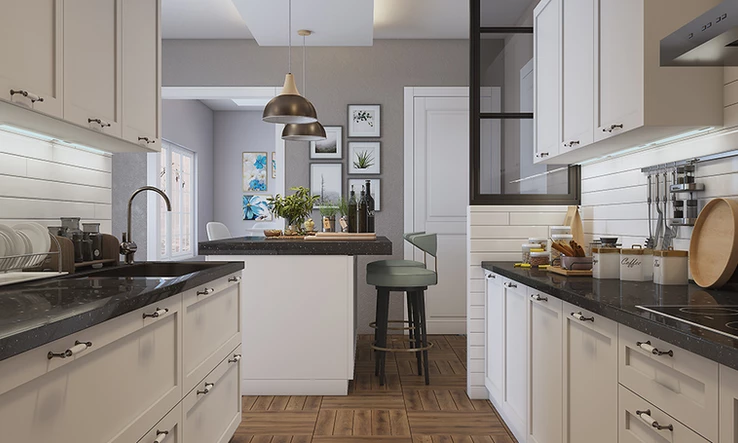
(153,270)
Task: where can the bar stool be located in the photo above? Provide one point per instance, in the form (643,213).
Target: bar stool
(413,280)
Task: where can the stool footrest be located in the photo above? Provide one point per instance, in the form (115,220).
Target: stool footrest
(373,325)
(424,348)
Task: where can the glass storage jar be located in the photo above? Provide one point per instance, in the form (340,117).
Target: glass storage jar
(539,258)
(541,241)
(526,247)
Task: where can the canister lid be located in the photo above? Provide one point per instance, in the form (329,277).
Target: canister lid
(633,250)
(531,245)
(538,250)
(671,253)
(562,237)
(606,250)
(538,254)
(561,228)
(537,239)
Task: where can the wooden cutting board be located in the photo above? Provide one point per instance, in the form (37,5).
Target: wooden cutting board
(342,236)
(568,273)
(713,250)
(574,220)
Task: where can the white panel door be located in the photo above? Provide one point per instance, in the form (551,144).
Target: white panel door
(547,56)
(728,404)
(441,196)
(92,71)
(494,372)
(578,67)
(30,50)
(515,397)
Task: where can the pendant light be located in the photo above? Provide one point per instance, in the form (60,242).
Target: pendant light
(289,106)
(309,131)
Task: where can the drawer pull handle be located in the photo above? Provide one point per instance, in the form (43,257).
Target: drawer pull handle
(579,316)
(31,96)
(612,128)
(492,276)
(206,291)
(208,387)
(571,144)
(156,314)
(646,417)
(147,140)
(537,297)
(161,436)
(646,346)
(511,285)
(234,279)
(78,347)
(236,358)
(99,122)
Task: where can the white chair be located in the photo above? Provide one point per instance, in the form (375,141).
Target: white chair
(217,231)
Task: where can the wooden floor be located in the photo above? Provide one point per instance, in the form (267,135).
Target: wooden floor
(405,410)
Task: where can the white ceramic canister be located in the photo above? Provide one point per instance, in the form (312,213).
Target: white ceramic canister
(648,264)
(526,247)
(562,239)
(671,267)
(605,263)
(560,230)
(632,262)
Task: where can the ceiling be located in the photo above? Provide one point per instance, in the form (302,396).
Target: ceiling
(349,22)
(221,104)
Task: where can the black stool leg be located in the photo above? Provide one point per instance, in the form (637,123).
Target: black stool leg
(377,317)
(410,318)
(424,333)
(418,337)
(383,295)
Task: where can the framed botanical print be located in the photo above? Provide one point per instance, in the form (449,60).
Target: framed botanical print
(363,158)
(326,181)
(364,121)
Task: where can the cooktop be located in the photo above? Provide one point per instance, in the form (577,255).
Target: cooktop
(719,319)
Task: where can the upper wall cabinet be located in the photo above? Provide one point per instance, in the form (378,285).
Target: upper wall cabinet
(30,41)
(614,94)
(93,65)
(547,78)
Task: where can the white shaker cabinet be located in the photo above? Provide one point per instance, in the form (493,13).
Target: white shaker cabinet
(495,339)
(30,50)
(515,394)
(545,364)
(547,79)
(590,377)
(728,404)
(92,64)
(141,50)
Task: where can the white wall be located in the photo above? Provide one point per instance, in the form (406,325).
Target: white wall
(41,181)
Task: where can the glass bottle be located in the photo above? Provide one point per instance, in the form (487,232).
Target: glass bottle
(362,212)
(352,208)
(369,207)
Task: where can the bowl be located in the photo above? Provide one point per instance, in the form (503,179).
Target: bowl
(272,232)
(609,241)
(576,263)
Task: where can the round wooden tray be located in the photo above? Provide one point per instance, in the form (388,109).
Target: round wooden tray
(713,250)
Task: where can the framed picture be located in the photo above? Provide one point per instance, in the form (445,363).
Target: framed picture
(363,157)
(274,165)
(364,121)
(256,208)
(331,148)
(254,171)
(326,180)
(357,183)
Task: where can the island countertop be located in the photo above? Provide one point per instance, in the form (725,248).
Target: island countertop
(267,246)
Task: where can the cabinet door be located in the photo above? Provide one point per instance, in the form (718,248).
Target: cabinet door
(590,377)
(547,55)
(545,394)
(515,404)
(621,67)
(30,50)
(578,68)
(92,64)
(728,404)
(141,71)
(495,339)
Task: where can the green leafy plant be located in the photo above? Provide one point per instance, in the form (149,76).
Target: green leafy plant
(343,207)
(295,208)
(328,209)
(364,160)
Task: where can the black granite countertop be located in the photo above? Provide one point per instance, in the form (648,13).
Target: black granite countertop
(36,313)
(618,300)
(267,246)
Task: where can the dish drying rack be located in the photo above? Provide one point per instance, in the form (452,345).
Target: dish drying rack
(13,267)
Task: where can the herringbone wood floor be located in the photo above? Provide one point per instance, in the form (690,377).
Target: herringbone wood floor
(405,410)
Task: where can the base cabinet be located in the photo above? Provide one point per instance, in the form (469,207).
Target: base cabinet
(728,405)
(168,430)
(495,339)
(515,396)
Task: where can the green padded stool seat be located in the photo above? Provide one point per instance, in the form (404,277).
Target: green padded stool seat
(380,265)
(402,277)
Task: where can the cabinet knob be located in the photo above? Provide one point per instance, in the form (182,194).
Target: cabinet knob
(234,279)
(206,291)
(537,297)
(156,314)
(646,417)
(161,436)
(103,124)
(646,346)
(206,390)
(146,139)
(31,96)
(236,358)
(79,346)
(580,317)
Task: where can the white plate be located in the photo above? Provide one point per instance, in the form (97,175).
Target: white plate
(18,247)
(39,240)
(5,263)
(25,262)
(4,245)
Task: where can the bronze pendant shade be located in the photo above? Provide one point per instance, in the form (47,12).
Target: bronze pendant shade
(289,106)
(311,132)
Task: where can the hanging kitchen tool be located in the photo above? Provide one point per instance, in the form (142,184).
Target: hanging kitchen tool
(651,240)
(713,250)
(669,231)
(660,221)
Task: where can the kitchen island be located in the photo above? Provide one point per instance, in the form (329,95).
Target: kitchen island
(299,311)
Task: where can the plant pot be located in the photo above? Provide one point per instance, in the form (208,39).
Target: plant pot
(329,224)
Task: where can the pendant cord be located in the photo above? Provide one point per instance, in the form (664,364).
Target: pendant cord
(289,35)
(304,62)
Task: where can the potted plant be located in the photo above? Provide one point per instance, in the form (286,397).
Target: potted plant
(328,210)
(343,209)
(295,208)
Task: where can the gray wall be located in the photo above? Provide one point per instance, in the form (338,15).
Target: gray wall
(237,132)
(337,76)
(189,123)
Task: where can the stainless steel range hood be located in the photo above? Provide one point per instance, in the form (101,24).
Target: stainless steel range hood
(709,40)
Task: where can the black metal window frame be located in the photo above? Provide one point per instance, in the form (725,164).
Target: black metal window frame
(573,197)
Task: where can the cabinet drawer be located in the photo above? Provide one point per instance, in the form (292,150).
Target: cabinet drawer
(683,384)
(639,422)
(168,430)
(211,326)
(211,412)
(590,320)
(113,392)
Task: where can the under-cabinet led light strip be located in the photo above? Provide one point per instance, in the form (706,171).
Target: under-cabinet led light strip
(50,139)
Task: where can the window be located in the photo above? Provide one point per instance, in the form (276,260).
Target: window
(176,231)
(502,169)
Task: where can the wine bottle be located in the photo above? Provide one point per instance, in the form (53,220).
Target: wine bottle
(362,212)
(369,207)
(352,208)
